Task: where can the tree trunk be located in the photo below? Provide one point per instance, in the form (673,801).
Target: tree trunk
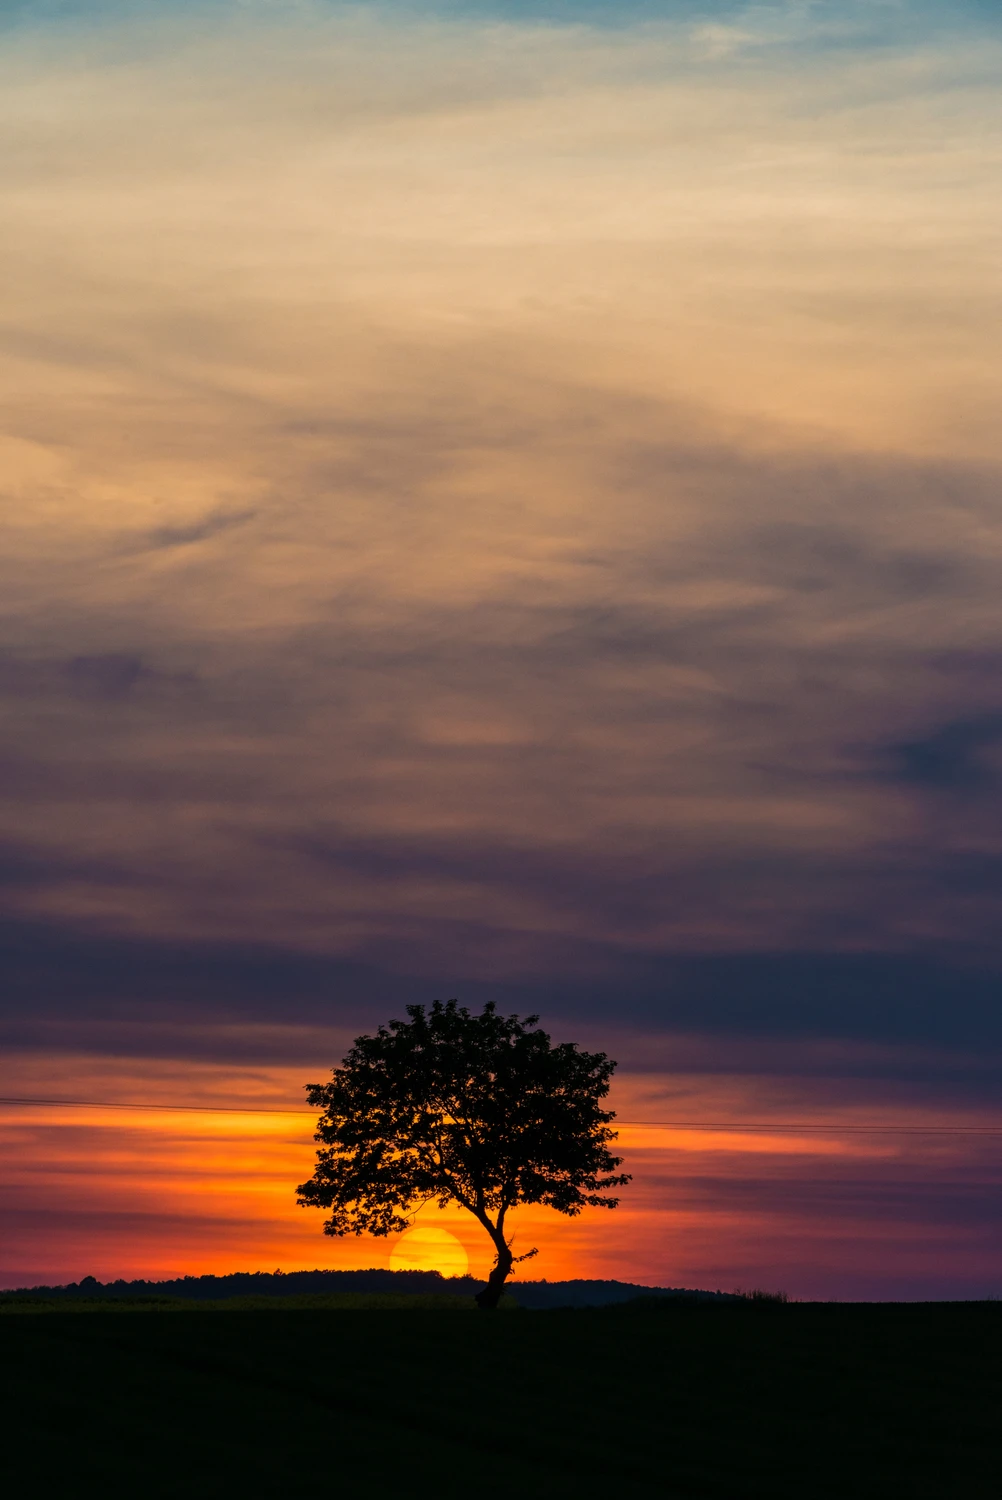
(488,1299)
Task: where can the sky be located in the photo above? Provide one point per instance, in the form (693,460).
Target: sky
(501,500)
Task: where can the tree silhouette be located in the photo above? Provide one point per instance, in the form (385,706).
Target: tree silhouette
(479,1110)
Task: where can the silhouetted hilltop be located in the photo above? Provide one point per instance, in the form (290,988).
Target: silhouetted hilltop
(529,1294)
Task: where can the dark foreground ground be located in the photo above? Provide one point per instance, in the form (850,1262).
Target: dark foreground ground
(728,1400)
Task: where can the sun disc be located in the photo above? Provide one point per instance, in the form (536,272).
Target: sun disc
(429,1247)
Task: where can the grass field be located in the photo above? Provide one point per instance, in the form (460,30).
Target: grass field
(387,1397)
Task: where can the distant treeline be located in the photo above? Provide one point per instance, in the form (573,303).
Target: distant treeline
(530,1294)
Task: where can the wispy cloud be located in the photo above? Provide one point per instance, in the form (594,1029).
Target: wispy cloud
(417,448)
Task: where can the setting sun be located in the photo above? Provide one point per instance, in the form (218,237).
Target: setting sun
(429,1248)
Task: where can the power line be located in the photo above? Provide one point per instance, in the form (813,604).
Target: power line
(799,1129)
(790,1127)
(187,1109)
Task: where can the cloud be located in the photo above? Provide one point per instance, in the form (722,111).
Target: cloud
(953,757)
(107,676)
(198,531)
(656,749)
(511,511)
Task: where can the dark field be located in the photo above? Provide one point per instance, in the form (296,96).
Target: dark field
(673,1399)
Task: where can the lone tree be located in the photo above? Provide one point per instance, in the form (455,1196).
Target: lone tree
(445,1107)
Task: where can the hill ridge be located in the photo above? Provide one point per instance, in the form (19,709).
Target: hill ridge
(577,1292)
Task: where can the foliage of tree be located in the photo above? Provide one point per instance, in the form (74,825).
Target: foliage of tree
(450,1107)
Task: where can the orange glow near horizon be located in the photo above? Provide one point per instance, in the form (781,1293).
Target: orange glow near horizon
(139,1193)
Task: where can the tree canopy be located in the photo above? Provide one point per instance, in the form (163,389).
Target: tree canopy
(450,1107)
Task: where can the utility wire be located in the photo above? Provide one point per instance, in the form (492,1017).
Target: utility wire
(207,1109)
(705,1125)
